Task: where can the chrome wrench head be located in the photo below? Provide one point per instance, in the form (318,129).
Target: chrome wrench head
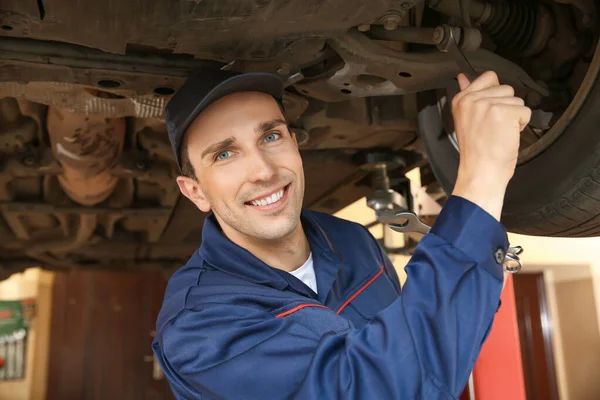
(463,63)
(412,224)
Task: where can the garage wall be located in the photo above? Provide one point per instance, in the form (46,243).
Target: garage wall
(37,284)
(566,260)
(580,338)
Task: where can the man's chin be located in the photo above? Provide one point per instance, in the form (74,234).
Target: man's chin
(275,227)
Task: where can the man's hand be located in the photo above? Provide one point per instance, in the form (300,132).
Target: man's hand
(488,120)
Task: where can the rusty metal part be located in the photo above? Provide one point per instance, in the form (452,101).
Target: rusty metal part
(587,9)
(16,130)
(86,226)
(403,34)
(375,160)
(195,27)
(28,166)
(451,46)
(517,28)
(360,123)
(562,49)
(159,173)
(379,162)
(393,73)
(25,207)
(156,143)
(87,149)
(392,19)
(478,11)
(469,39)
(110,102)
(18,49)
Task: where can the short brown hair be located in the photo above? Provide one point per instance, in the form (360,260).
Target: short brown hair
(187,169)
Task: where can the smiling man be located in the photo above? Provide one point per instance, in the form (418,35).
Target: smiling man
(246,168)
(282,302)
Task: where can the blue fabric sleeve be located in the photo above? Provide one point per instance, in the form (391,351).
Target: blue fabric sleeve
(389,269)
(423,345)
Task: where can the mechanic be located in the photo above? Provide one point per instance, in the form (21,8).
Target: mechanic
(283,302)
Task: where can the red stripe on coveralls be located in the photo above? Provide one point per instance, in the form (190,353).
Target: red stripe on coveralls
(363,287)
(297,308)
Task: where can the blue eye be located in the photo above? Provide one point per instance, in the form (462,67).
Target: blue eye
(272,137)
(224,155)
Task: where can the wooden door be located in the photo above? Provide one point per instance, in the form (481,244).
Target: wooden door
(102,330)
(535,335)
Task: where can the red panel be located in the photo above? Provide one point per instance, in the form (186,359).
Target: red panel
(498,374)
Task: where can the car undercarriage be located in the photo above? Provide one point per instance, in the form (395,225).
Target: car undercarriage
(87,177)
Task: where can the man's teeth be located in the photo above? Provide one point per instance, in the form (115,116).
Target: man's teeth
(268,200)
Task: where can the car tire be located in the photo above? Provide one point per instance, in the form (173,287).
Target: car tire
(557,193)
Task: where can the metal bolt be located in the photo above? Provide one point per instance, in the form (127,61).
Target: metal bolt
(407,5)
(391,20)
(499,256)
(284,69)
(364,27)
(29,161)
(438,35)
(141,165)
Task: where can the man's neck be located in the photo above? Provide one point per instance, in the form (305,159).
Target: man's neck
(286,254)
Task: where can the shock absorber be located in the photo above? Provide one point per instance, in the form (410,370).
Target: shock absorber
(519,28)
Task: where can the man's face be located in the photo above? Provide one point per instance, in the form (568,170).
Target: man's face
(248,167)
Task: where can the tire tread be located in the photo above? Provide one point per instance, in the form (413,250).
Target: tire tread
(575,214)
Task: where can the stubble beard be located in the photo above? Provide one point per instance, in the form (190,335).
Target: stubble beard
(256,228)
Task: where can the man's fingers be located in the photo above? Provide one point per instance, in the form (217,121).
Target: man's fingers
(508,100)
(483,86)
(518,113)
(463,81)
(492,92)
(483,81)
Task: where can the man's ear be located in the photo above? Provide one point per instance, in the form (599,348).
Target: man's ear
(294,137)
(191,189)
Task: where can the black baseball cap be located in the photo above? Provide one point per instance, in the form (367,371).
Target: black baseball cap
(204,87)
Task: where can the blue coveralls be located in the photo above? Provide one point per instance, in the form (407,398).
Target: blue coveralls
(232,327)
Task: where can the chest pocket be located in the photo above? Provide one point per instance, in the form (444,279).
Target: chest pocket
(369,299)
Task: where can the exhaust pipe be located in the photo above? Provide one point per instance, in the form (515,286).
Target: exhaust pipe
(87,147)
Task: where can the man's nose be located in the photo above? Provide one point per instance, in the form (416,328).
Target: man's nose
(260,168)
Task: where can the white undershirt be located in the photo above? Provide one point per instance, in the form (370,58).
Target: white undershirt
(306,273)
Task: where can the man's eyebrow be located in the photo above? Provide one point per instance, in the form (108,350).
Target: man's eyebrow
(222,145)
(269,125)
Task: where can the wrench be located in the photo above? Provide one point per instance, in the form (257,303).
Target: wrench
(463,63)
(412,224)
(512,263)
(465,66)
